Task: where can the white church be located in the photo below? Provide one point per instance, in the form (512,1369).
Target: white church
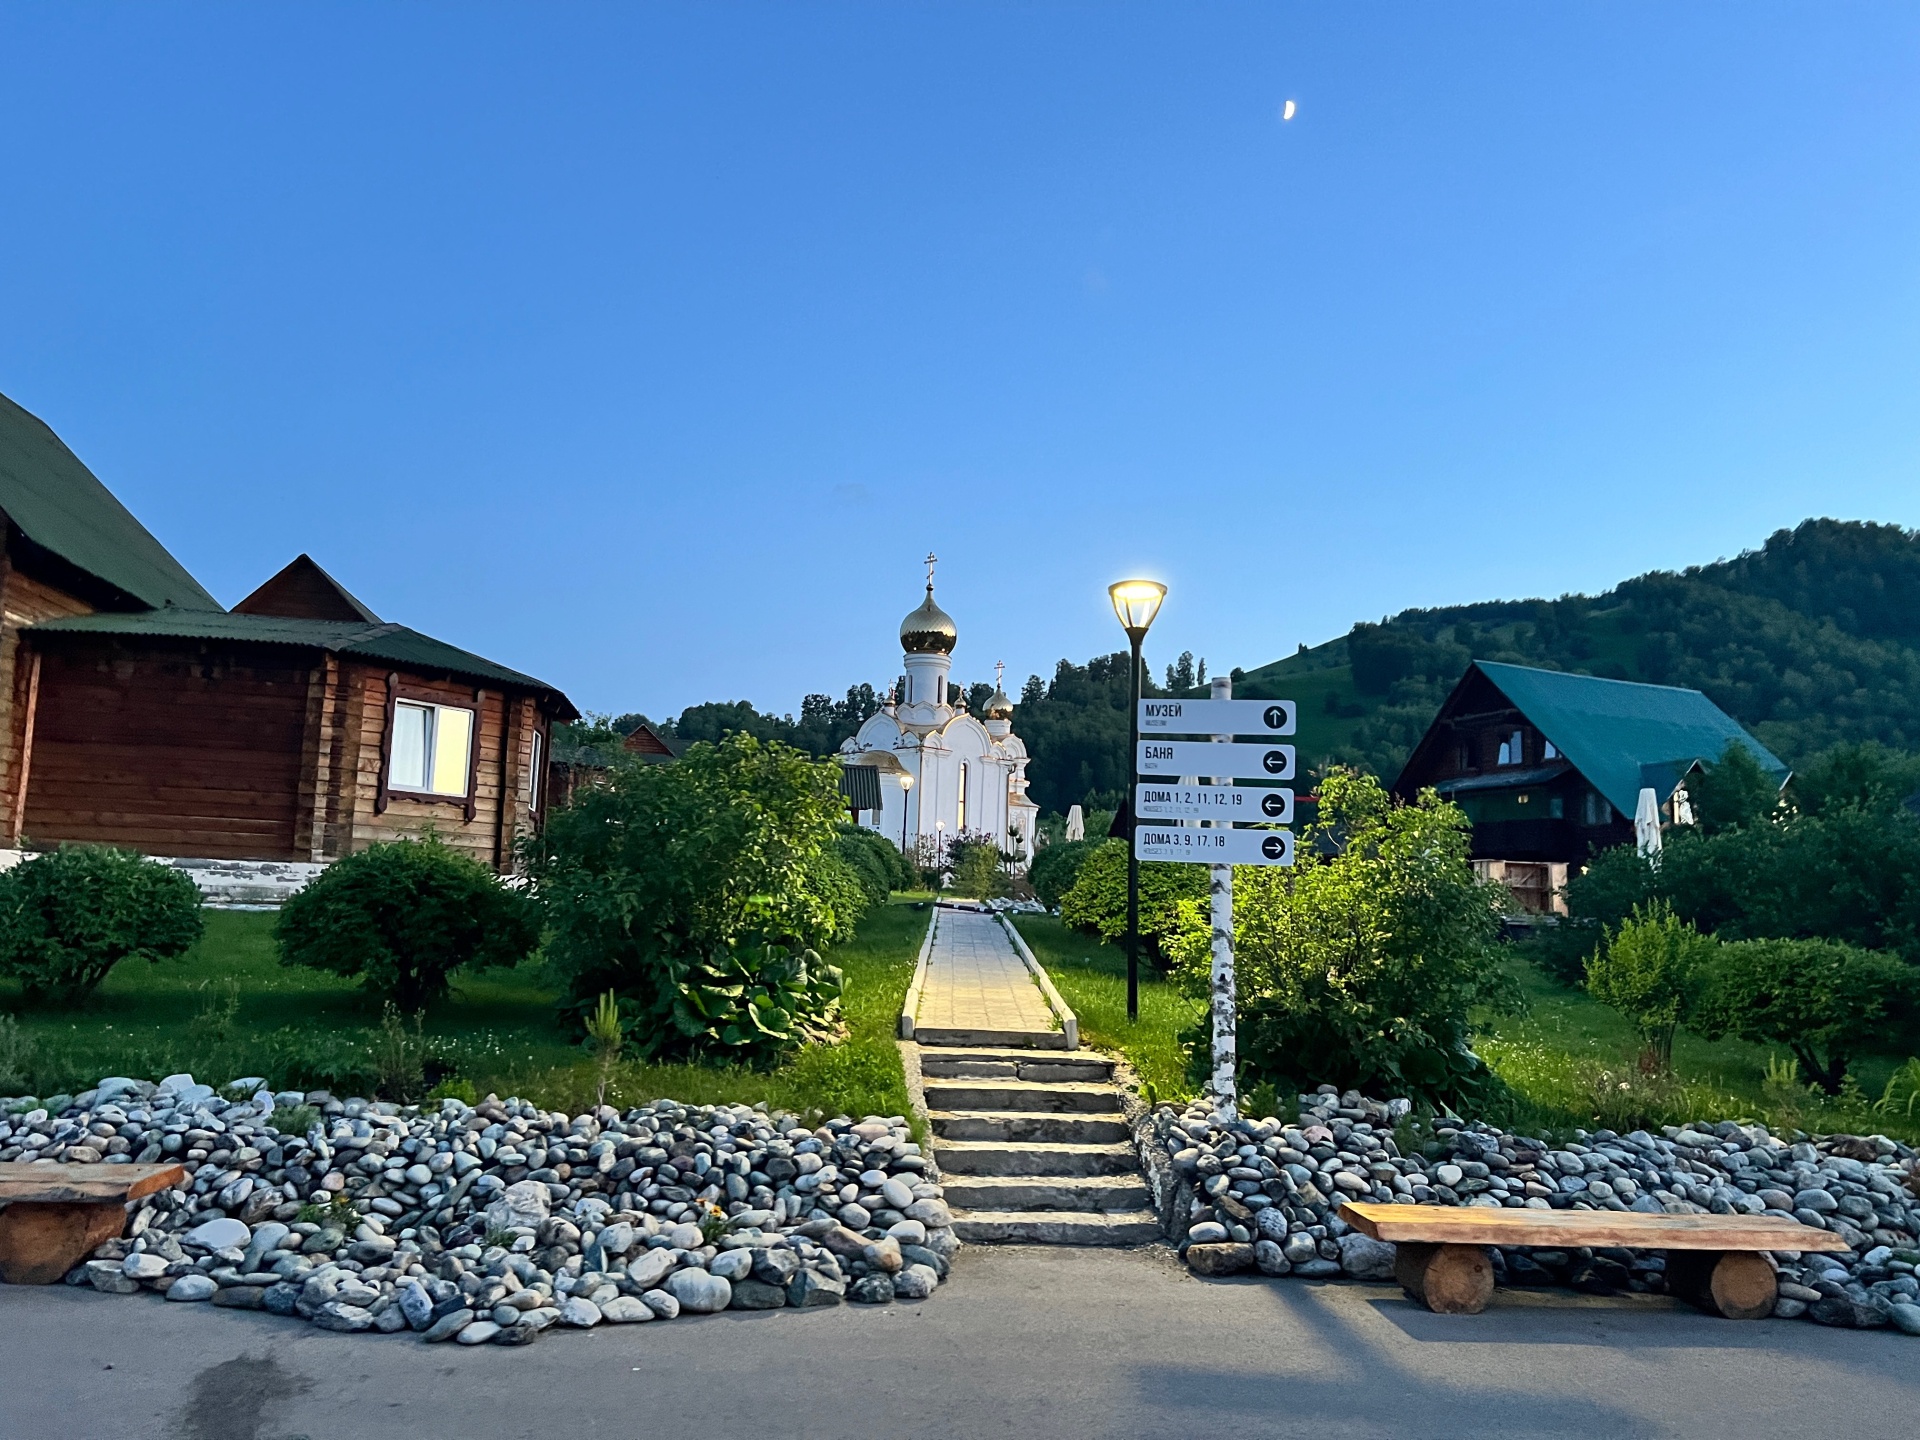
(942,772)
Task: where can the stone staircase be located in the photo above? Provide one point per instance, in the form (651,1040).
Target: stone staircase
(1033,1147)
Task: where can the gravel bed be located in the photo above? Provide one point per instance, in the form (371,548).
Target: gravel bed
(1264,1195)
(496,1222)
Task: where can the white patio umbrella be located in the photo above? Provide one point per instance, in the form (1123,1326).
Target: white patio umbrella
(1646,825)
(1076,823)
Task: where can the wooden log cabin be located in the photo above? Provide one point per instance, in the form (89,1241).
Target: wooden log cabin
(1549,767)
(298,726)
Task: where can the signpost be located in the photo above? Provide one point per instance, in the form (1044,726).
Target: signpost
(1214,847)
(1223,761)
(1217,717)
(1218,806)
(1251,804)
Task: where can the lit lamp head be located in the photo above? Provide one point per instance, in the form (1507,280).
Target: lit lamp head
(906,782)
(1136,602)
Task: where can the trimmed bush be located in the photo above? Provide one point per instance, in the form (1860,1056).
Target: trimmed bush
(403,916)
(1056,867)
(1097,901)
(695,891)
(876,860)
(68,916)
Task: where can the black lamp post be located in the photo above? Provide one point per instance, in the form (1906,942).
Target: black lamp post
(1136,602)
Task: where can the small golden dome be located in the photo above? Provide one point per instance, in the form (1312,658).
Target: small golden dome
(999,707)
(928,630)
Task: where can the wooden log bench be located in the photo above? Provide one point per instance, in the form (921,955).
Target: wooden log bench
(53,1216)
(1714,1261)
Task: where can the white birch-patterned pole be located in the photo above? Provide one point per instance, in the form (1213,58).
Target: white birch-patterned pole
(1224,998)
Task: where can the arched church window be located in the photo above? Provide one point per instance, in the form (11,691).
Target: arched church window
(960,818)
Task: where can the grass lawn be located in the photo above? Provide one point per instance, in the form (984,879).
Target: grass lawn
(228,1008)
(1092,977)
(1564,1059)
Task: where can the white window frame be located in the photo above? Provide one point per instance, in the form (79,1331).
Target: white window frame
(533,777)
(960,806)
(433,711)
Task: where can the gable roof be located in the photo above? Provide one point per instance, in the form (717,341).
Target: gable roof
(1622,735)
(60,505)
(394,644)
(303,590)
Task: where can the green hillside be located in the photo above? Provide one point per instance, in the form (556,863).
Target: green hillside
(1809,641)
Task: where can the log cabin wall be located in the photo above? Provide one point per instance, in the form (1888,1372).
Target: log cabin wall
(24,600)
(483,825)
(183,748)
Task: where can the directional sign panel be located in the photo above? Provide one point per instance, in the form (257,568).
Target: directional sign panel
(1207,757)
(1249,803)
(1213,847)
(1217,717)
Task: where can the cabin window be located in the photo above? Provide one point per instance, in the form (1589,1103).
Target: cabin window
(960,816)
(1594,809)
(1510,751)
(432,748)
(1547,752)
(533,775)
(1556,808)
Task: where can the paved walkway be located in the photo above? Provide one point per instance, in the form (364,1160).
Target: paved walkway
(1063,1344)
(976,981)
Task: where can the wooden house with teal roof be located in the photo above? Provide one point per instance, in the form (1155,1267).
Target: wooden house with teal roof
(1550,766)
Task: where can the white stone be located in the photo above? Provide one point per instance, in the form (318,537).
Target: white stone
(191,1287)
(579,1313)
(522,1205)
(219,1234)
(650,1267)
(626,1310)
(699,1292)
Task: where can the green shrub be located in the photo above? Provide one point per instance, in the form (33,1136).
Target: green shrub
(694,891)
(403,916)
(1097,900)
(1056,867)
(16,1057)
(977,868)
(68,916)
(876,860)
(1359,966)
(1650,970)
(1823,1000)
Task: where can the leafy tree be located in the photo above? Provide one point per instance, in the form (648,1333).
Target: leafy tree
(875,860)
(403,916)
(1359,966)
(1650,970)
(1733,791)
(976,867)
(1865,776)
(1056,867)
(1821,999)
(68,916)
(696,891)
(1097,900)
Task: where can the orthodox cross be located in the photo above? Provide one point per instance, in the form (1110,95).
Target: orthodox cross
(932,560)
(999,674)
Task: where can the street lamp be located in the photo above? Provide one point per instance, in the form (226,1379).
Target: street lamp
(906,784)
(1135,602)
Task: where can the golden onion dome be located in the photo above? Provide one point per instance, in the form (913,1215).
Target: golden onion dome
(928,630)
(999,707)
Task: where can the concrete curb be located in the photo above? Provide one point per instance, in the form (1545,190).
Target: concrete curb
(911,1004)
(917,1100)
(1172,1196)
(1069,1022)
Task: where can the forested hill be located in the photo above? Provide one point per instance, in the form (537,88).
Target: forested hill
(1811,640)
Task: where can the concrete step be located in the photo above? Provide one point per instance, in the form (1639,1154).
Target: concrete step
(1011,1039)
(994,1063)
(1056,1227)
(1030,1125)
(1004,1157)
(1104,1194)
(1062,1097)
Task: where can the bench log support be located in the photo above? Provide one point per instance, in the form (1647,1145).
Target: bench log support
(1447,1279)
(53,1216)
(1737,1284)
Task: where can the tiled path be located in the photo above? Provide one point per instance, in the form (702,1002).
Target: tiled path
(975,981)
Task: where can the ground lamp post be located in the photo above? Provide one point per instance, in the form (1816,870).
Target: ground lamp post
(906,785)
(1136,602)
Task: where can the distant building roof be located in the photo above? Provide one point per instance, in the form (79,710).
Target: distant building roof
(59,505)
(860,785)
(1623,736)
(394,644)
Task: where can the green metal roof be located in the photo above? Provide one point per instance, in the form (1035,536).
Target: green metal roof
(1621,735)
(395,644)
(59,504)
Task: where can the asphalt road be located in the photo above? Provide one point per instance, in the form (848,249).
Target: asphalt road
(1023,1342)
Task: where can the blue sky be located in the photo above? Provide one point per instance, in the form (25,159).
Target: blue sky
(649,348)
